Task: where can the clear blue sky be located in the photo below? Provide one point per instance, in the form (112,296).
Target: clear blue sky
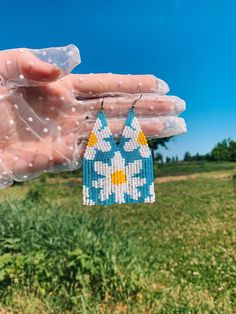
(190,44)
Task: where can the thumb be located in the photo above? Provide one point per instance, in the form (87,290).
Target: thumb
(32,67)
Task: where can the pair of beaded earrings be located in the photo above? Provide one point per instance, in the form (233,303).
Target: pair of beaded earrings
(117,173)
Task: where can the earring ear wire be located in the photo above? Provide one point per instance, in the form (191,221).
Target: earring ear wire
(102,104)
(133,105)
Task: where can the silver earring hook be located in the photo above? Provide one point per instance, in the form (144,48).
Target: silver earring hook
(133,105)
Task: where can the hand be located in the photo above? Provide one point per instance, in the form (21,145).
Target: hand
(47,114)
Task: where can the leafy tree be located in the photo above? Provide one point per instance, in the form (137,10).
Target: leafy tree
(154,144)
(159,157)
(208,157)
(221,151)
(187,156)
(232,150)
(197,157)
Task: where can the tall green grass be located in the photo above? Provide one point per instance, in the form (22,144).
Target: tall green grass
(174,256)
(186,168)
(170,169)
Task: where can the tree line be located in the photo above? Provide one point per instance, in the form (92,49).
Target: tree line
(222,151)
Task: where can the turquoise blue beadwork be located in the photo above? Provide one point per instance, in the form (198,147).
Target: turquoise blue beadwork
(117,173)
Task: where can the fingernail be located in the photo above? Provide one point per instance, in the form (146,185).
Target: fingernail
(178,105)
(161,86)
(173,126)
(65,58)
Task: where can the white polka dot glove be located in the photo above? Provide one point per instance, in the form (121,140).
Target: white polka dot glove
(47,113)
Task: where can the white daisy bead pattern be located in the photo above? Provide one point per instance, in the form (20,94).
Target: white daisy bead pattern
(151,197)
(97,140)
(117,173)
(136,138)
(117,178)
(86,199)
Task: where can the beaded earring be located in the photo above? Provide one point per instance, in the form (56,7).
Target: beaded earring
(117,173)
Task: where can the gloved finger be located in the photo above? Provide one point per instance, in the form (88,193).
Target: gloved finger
(87,85)
(20,66)
(149,105)
(71,116)
(156,127)
(33,67)
(63,107)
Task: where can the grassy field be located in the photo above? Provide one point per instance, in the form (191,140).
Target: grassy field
(173,169)
(175,256)
(186,168)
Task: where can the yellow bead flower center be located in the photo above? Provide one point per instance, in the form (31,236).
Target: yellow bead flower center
(92,139)
(118,177)
(141,139)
